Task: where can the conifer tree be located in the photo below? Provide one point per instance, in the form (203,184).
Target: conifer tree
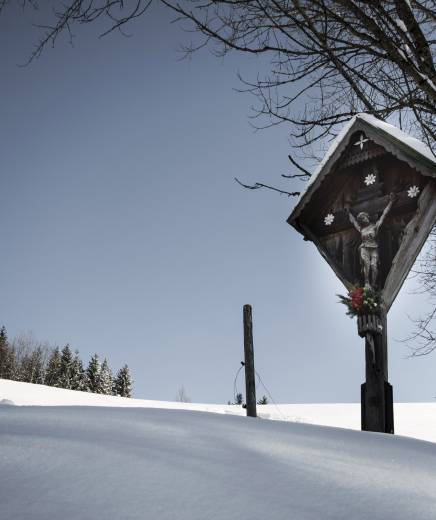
(79,379)
(66,368)
(32,368)
(4,351)
(7,357)
(93,375)
(53,368)
(263,400)
(123,383)
(106,379)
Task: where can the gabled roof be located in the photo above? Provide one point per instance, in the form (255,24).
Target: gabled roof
(402,145)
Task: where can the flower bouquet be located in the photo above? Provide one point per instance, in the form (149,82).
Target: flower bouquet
(361,301)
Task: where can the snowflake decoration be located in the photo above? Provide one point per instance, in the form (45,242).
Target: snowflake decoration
(361,141)
(413,192)
(370,179)
(328,220)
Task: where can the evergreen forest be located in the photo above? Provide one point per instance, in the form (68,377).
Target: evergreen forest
(27,360)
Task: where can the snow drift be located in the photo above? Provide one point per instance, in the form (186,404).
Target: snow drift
(83,463)
(412,419)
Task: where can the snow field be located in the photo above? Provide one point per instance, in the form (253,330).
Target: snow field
(88,463)
(411,419)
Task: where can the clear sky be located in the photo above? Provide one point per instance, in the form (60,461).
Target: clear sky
(124,233)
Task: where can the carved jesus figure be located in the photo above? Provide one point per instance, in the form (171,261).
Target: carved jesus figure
(369,254)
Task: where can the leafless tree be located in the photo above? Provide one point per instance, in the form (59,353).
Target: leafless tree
(423,339)
(30,358)
(328,59)
(182,396)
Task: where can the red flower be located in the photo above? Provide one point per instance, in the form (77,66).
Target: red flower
(356,296)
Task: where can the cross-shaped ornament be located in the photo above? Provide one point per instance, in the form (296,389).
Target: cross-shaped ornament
(361,141)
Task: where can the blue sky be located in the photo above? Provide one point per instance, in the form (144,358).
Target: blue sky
(124,233)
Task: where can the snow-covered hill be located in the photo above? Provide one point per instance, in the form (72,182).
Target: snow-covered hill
(411,419)
(90,463)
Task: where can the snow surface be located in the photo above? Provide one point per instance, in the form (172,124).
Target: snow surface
(411,419)
(90,463)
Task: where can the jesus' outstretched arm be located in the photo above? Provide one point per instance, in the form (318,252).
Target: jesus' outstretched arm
(353,220)
(392,198)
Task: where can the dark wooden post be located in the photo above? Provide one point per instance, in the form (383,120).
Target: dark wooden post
(376,394)
(250,384)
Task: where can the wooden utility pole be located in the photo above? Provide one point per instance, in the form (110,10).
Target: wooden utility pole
(250,384)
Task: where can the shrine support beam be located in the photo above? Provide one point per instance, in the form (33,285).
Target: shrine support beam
(377,412)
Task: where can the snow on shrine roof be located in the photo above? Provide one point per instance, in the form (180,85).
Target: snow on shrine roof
(402,145)
(395,132)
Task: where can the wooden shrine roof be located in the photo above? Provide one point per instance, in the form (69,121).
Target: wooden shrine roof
(403,146)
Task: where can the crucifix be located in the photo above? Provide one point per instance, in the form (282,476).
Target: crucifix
(369,248)
(369,209)
(367,215)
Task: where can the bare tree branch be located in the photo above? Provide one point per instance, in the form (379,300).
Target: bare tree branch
(259,185)
(326,61)
(305,175)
